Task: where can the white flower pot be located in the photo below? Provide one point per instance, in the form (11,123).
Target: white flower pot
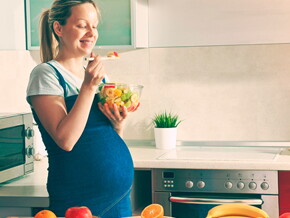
(165,138)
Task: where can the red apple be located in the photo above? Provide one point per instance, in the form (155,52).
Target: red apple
(78,212)
(285,215)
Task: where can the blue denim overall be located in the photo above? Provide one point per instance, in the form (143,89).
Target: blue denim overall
(97,173)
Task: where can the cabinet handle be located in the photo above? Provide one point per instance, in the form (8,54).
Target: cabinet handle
(214,201)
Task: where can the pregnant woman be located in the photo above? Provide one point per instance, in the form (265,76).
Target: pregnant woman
(89,163)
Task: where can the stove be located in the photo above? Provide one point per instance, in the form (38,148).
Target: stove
(191,193)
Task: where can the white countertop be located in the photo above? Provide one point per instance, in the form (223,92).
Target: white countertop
(186,157)
(27,191)
(31,189)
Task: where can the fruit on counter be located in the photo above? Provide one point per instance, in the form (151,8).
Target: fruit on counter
(153,211)
(236,209)
(45,214)
(78,212)
(120,94)
(113,54)
(285,215)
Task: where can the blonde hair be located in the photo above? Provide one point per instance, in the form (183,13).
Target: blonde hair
(60,11)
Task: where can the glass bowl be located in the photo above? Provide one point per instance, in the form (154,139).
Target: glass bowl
(121,94)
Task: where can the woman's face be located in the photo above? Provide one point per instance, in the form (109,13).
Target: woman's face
(79,35)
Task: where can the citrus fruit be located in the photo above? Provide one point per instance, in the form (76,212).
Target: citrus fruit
(45,214)
(152,211)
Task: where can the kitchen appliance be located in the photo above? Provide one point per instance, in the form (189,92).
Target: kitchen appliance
(188,193)
(16,145)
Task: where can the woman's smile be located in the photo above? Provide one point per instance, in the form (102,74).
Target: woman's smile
(87,43)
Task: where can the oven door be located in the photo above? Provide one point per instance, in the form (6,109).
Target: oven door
(16,152)
(187,205)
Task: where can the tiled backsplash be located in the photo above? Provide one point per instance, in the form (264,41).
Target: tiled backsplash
(221,92)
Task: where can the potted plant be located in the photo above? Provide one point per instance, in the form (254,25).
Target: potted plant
(165,130)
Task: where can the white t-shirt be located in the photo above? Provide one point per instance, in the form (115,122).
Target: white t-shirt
(44,81)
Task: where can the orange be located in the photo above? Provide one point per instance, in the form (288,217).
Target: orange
(153,211)
(45,214)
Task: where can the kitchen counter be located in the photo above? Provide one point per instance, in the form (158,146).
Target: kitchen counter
(187,157)
(27,191)
(30,190)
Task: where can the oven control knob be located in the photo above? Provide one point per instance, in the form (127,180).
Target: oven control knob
(252,185)
(188,184)
(241,185)
(228,185)
(200,184)
(29,151)
(264,185)
(29,133)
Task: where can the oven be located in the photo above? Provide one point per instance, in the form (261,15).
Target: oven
(16,145)
(186,193)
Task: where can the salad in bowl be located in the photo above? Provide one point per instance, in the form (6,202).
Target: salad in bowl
(120,94)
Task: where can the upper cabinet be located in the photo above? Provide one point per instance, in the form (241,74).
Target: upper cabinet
(13,25)
(33,11)
(161,23)
(218,22)
(116,27)
(115,24)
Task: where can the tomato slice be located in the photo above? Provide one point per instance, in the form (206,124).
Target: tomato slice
(109,85)
(116,54)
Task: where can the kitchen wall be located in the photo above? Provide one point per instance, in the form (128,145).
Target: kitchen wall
(220,92)
(15,69)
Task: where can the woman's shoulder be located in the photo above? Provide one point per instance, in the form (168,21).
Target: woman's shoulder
(43,80)
(42,67)
(43,70)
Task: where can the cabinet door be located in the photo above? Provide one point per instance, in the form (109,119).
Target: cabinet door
(218,22)
(115,24)
(12,25)
(284,191)
(114,27)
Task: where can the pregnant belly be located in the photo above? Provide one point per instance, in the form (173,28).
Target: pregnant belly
(96,165)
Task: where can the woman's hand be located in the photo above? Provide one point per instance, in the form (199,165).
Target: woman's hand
(116,118)
(95,71)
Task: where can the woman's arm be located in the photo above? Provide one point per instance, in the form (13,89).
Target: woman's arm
(66,128)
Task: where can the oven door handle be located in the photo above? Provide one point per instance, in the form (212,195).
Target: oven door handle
(214,201)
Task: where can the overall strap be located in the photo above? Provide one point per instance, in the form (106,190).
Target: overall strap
(61,79)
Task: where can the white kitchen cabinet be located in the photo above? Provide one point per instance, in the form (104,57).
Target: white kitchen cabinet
(219,22)
(12,20)
(140,23)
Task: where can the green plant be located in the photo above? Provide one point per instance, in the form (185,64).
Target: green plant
(166,120)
